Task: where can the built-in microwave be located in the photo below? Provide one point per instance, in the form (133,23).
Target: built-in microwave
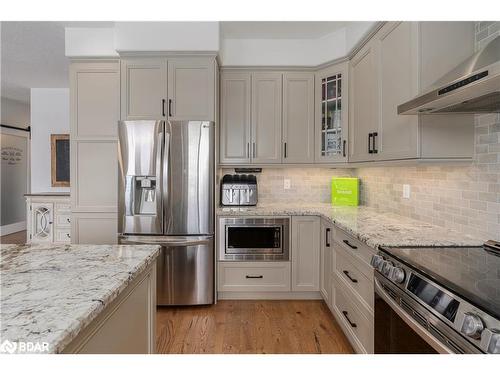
(257,239)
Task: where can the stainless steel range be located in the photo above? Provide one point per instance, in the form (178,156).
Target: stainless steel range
(444,300)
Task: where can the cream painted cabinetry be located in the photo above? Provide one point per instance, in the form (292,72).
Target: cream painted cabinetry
(48,218)
(94,116)
(266,117)
(402,59)
(298,118)
(177,88)
(305,250)
(235,88)
(326,261)
(331,120)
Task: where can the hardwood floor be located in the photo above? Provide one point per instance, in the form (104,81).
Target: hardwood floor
(17,238)
(285,327)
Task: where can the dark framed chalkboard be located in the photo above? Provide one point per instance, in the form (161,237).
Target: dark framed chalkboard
(59,146)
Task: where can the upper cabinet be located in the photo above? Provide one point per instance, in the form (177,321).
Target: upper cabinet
(266,117)
(180,88)
(191,89)
(363,100)
(235,89)
(298,117)
(400,61)
(331,114)
(144,88)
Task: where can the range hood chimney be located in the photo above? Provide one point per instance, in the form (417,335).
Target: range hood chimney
(472,87)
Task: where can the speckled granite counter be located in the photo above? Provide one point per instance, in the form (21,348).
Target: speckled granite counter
(50,293)
(368,225)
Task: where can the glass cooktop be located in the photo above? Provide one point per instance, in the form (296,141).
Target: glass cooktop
(470,272)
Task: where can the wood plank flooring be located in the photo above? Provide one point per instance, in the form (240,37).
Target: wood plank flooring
(250,327)
(16,238)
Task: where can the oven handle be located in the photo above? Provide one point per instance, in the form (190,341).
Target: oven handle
(422,332)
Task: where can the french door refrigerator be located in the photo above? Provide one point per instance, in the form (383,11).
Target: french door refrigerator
(166,197)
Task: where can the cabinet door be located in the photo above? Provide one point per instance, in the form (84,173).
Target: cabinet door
(144,88)
(398,81)
(94,228)
(42,222)
(94,100)
(326,251)
(235,118)
(331,114)
(305,253)
(266,118)
(94,176)
(363,108)
(191,89)
(298,118)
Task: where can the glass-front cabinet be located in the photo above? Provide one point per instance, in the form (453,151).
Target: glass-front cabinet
(331,114)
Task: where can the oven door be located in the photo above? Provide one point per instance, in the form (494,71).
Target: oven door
(401,330)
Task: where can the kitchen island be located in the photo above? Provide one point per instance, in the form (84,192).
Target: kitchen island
(78,298)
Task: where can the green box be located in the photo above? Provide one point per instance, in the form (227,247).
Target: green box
(345,191)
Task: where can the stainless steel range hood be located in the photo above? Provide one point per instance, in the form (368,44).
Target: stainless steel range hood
(472,87)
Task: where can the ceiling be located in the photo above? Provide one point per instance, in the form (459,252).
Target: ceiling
(279,29)
(32,53)
(33,56)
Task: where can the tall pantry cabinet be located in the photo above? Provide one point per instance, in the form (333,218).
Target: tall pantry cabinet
(94,114)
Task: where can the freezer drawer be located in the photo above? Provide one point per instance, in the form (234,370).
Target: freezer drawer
(185,268)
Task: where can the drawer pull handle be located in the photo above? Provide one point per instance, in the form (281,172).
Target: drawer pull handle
(350,277)
(254,277)
(327,243)
(68,220)
(350,245)
(353,325)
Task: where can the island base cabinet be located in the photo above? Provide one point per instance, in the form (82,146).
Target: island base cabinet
(127,325)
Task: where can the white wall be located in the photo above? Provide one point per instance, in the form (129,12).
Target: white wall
(167,36)
(90,42)
(49,115)
(15,113)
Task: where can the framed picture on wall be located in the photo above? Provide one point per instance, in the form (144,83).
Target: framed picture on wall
(59,146)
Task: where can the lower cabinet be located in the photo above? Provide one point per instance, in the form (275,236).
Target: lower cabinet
(254,277)
(48,218)
(305,253)
(94,228)
(326,261)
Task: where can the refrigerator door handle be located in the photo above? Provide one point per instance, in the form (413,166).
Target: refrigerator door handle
(166,177)
(159,183)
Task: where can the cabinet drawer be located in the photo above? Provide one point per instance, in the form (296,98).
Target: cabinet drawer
(353,245)
(348,268)
(63,207)
(63,220)
(63,235)
(254,277)
(358,324)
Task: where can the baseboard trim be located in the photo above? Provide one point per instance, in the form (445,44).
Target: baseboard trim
(269,295)
(12,228)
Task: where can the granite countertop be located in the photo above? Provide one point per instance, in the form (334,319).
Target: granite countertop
(49,293)
(372,227)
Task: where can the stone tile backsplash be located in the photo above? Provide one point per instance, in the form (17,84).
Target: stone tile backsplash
(465,198)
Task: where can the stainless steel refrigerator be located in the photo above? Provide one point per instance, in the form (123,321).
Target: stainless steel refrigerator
(166,197)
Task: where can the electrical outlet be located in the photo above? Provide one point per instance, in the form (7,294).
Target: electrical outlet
(406,191)
(287,183)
